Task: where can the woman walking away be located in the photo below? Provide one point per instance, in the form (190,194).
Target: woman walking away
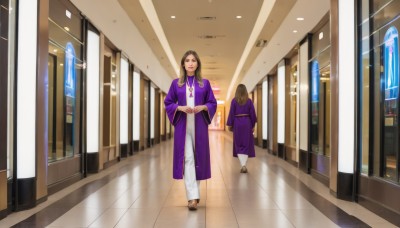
(241,120)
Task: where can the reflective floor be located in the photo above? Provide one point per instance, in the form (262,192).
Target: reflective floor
(140,192)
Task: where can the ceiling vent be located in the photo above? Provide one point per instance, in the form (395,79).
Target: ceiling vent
(207,37)
(211,36)
(261,43)
(206,18)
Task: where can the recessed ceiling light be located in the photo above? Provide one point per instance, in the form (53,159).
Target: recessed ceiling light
(66,28)
(68,14)
(173,17)
(294,31)
(300,18)
(238,17)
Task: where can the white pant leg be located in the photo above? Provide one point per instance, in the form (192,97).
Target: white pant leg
(243,159)
(191,184)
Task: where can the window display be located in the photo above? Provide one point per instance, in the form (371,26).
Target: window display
(390,63)
(65,67)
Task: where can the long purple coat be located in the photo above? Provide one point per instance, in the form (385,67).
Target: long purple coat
(177,97)
(242,118)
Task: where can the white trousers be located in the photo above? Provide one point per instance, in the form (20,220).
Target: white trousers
(191,184)
(243,159)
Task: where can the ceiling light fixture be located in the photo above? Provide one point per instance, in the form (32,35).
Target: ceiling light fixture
(66,28)
(300,18)
(68,14)
(294,31)
(173,17)
(238,17)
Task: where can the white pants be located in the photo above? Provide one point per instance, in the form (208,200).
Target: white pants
(191,184)
(243,159)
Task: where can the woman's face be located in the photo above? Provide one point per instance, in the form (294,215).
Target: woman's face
(190,65)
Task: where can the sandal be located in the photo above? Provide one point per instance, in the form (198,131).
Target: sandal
(192,205)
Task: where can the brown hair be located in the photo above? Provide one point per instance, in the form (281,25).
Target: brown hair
(197,73)
(241,94)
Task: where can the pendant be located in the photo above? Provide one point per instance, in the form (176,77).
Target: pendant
(191,95)
(190,89)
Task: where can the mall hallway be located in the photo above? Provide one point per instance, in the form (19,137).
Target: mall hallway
(139,192)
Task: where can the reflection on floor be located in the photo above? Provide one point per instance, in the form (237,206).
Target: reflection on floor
(140,192)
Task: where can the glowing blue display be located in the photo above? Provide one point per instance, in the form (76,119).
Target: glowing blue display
(315,81)
(69,71)
(391,63)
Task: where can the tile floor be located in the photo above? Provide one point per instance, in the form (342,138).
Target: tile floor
(140,192)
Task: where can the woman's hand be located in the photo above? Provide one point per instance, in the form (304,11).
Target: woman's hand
(186,109)
(199,108)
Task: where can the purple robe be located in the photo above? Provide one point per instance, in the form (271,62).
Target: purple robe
(242,118)
(177,97)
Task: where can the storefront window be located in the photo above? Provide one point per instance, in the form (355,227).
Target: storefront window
(320,104)
(64,76)
(293,105)
(364,81)
(379,92)
(365,117)
(390,63)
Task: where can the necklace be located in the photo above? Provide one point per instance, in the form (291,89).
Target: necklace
(190,87)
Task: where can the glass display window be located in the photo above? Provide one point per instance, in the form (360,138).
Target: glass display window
(293,105)
(320,105)
(378,29)
(65,68)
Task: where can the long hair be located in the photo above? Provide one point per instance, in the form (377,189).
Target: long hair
(197,72)
(241,94)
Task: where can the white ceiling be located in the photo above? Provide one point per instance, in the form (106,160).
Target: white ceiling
(211,28)
(229,56)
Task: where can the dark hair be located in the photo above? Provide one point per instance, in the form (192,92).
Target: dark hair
(197,73)
(241,94)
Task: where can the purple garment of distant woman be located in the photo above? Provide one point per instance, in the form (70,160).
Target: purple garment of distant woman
(242,118)
(177,97)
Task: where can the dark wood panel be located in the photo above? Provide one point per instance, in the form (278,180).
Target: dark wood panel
(290,153)
(3,83)
(381,197)
(304,161)
(275,115)
(320,164)
(157,116)
(64,169)
(259,115)
(42,94)
(3,103)
(4,23)
(142,124)
(130,106)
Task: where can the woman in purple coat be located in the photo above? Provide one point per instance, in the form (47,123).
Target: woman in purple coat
(190,106)
(241,120)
